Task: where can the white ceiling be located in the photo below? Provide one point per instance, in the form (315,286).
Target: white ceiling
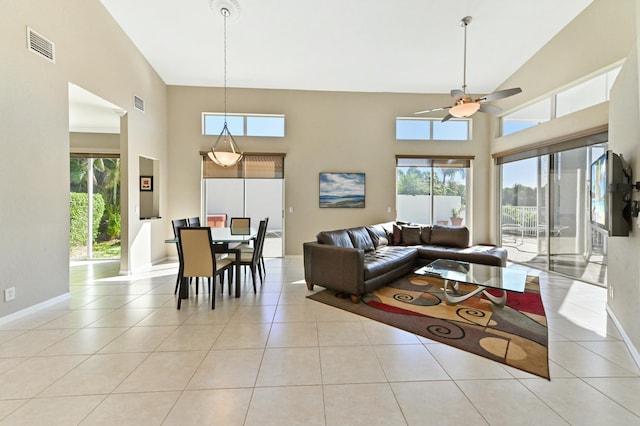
(413,46)
(92,114)
(408,46)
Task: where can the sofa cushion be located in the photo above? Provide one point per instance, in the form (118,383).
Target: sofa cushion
(449,236)
(338,238)
(411,235)
(486,255)
(378,235)
(360,238)
(386,259)
(425,234)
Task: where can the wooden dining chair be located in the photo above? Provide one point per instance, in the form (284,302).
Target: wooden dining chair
(198,259)
(176,224)
(250,247)
(251,259)
(193,222)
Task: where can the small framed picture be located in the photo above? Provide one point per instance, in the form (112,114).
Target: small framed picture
(146,183)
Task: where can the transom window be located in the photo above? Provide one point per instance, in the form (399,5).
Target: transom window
(264,125)
(425,129)
(581,95)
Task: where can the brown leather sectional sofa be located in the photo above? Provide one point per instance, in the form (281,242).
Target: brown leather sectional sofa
(359,260)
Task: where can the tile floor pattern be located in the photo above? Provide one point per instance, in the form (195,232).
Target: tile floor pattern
(118,352)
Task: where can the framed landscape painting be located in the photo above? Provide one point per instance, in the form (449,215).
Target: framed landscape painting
(342,190)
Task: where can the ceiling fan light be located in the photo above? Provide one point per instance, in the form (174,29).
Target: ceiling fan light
(464,109)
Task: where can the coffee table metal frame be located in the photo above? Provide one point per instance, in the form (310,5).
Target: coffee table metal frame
(483,277)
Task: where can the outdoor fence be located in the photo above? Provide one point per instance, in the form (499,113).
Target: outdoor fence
(520,220)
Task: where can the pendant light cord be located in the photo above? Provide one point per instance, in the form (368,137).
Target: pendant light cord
(225,13)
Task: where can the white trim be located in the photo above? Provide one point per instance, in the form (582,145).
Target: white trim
(35,308)
(632,349)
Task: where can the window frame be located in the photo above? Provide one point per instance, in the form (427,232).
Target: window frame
(431,122)
(245,117)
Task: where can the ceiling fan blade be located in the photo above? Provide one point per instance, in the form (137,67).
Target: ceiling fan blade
(431,110)
(490,109)
(500,94)
(458,94)
(446,117)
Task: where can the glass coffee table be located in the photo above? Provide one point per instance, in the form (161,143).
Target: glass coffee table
(483,277)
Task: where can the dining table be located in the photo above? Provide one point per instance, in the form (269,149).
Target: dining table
(224,240)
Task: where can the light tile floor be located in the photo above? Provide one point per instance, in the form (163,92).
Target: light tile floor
(118,352)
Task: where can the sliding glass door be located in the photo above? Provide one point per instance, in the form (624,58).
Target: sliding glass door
(253,188)
(544,222)
(94,207)
(254,198)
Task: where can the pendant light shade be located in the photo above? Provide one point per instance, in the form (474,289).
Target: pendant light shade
(225,152)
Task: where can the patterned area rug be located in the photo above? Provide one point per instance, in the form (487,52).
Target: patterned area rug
(515,335)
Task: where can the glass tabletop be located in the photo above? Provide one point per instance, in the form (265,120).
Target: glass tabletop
(475,273)
(227,235)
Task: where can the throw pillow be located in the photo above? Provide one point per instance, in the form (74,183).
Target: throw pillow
(397,235)
(425,235)
(411,235)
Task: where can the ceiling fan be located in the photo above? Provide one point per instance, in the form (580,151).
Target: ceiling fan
(464,105)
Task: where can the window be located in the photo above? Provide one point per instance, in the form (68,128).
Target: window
(432,190)
(581,95)
(591,92)
(526,117)
(424,129)
(263,125)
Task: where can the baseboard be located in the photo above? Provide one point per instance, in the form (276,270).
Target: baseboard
(632,349)
(34,308)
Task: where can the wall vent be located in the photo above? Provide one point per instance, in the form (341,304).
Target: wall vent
(40,45)
(138,103)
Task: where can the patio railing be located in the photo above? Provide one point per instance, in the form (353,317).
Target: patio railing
(520,220)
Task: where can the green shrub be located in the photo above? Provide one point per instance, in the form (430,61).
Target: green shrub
(79,217)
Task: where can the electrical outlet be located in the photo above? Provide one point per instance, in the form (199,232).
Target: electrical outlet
(611,292)
(9,294)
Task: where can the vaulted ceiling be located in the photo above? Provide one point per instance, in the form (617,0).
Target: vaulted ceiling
(408,46)
(413,46)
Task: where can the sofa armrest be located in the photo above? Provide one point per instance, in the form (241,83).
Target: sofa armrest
(338,268)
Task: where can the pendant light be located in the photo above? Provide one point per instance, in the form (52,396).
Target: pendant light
(225,152)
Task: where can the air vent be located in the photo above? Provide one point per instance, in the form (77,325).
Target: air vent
(138,103)
(40,45)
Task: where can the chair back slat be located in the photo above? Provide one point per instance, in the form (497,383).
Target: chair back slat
(193,222)
(262,233)
(178,223)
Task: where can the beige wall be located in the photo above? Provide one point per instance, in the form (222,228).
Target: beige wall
(92,52)
(624,252)
(325,131)
(600,36)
